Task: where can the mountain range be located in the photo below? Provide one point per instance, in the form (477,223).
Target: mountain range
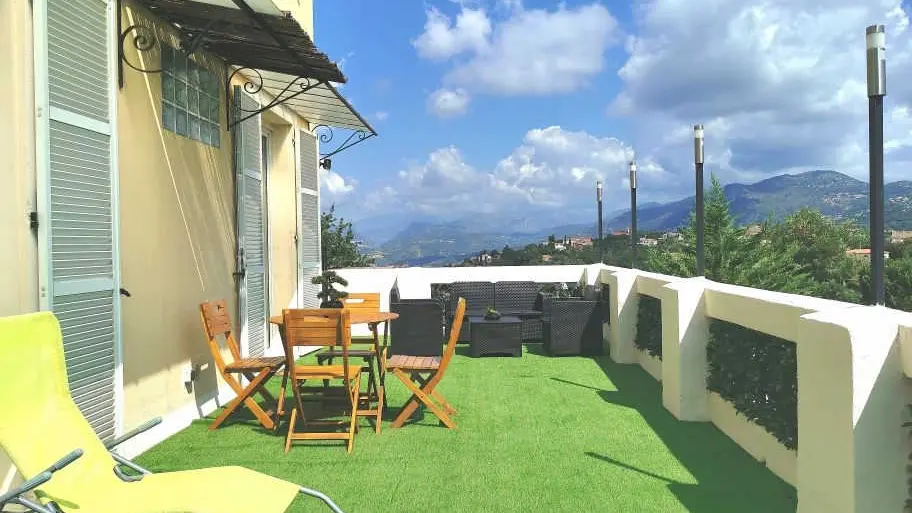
(838,196)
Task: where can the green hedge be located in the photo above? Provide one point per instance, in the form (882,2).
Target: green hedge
(649,326)
(758,374)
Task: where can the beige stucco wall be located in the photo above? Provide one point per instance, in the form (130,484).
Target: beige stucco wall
(754,439)
(178,246)
(18,245)
(650,364)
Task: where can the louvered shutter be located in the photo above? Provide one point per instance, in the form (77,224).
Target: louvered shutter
(309,264)
(251,228)
(77,184)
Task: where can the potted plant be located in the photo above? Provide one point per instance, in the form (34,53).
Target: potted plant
(328,295)
(491,314)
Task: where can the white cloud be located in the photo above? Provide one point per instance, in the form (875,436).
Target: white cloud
(448,103)
(443,39)
(381,115)
(780,85)
(334,187)
(531,52)
(552,168)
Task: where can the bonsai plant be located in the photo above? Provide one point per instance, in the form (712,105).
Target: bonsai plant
(328,295)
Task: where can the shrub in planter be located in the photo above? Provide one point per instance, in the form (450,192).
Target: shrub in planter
(649,326)
(330,297)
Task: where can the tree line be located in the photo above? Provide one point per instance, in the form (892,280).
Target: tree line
(805,253)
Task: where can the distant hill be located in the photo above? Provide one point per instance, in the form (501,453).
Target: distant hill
(836,195)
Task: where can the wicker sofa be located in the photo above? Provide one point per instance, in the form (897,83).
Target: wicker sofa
(515,298)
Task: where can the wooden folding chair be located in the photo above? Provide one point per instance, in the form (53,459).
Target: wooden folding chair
(321,327)
(257,371)
(375,365)
(421,374)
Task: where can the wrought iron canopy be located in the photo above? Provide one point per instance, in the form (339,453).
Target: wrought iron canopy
(242,36)
(268,52)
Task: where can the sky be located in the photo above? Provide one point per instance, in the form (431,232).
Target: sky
(514,108)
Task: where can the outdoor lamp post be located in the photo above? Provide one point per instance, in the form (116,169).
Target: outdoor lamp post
(598,198)
(877,88)
(633,214)
(698,164)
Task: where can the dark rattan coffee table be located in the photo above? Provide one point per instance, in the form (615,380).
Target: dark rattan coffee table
(500,336)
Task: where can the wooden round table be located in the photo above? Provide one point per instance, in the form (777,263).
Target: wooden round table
(371,318)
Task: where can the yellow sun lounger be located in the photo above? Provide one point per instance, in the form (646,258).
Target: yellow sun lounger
(68,467)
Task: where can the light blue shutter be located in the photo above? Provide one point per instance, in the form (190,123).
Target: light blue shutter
(77,187)
(309,264)
(251,232)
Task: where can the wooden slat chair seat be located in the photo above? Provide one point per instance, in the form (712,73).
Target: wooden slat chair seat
(374,367)
(328,327)
(422,374)
(217,322)
(414,362)
(251,364)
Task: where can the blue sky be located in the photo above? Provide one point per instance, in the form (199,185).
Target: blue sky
(515,109)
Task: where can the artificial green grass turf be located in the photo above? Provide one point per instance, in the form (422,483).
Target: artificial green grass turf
(534,434)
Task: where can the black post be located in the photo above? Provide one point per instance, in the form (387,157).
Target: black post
(598,193)
(877,89)
(633,216)
(698,163)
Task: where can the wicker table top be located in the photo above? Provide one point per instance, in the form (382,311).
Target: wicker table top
(504,319)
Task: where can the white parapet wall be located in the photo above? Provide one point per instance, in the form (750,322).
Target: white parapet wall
(853,387)
(853,369)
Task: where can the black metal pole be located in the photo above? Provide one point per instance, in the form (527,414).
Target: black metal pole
(698,164)
(701,258)
(633,216)
(633,228)
(875,122)
(877,89)
(601,249)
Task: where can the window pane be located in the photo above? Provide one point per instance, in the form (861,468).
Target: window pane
(204,132)
(193,101)
(168,117)
(181,124)
(194,73)
(194,128)
(205,79)
(203,106)
(214,110)
(180,66)
(180,94)
(214,135)
(167,87)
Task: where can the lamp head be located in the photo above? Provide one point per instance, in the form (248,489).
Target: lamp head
(633,174)
(876,42)
(698,144)
(598,190)
(326,164)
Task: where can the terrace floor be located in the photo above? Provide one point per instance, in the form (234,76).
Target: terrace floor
(534,434)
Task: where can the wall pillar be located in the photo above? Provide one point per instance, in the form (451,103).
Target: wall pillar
(623,303)
(685,332)
(852,399)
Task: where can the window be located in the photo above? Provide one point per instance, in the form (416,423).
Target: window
(190,98)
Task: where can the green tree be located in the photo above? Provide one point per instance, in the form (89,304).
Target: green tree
(337,240)
(731,256)
(818,246)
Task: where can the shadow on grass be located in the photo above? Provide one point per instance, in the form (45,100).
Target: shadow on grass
(727,477)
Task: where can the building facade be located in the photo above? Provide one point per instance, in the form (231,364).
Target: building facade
(152,166)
